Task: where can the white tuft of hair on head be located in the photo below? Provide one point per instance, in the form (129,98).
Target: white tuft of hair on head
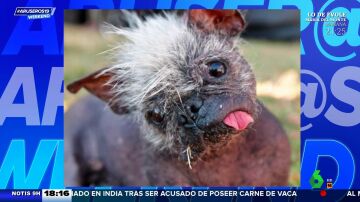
(145,59)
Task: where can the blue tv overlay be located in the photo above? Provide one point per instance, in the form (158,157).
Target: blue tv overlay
(32,87)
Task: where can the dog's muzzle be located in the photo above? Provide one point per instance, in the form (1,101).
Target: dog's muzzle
(218,111)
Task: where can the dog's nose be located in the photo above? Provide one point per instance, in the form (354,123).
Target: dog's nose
(193,105)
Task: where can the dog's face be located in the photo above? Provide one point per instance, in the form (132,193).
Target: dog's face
(184,79)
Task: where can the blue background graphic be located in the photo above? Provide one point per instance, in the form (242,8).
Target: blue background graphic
(330,144)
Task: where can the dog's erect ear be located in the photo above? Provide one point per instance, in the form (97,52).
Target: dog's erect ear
(226,22)
(99,84)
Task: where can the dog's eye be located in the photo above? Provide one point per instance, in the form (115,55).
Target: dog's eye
(216,68)
(155,116)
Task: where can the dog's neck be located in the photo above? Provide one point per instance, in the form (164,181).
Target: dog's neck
(213,168)
(209,157)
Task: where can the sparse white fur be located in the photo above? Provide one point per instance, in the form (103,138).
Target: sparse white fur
(143,58)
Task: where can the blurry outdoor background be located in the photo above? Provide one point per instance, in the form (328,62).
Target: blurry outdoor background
(272,47)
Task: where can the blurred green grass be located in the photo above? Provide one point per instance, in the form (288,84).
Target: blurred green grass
(270,61)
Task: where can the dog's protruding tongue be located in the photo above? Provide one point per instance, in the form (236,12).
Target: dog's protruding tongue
(238,120)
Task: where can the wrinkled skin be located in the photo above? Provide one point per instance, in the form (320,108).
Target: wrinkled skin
(102,148)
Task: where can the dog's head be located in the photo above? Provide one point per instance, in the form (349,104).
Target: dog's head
(184,79)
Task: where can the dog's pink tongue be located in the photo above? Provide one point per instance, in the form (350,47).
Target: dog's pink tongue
(238,120)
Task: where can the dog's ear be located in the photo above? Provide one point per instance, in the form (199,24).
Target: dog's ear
(99,84)
(226,22)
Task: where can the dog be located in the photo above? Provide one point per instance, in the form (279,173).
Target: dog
(177,107)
